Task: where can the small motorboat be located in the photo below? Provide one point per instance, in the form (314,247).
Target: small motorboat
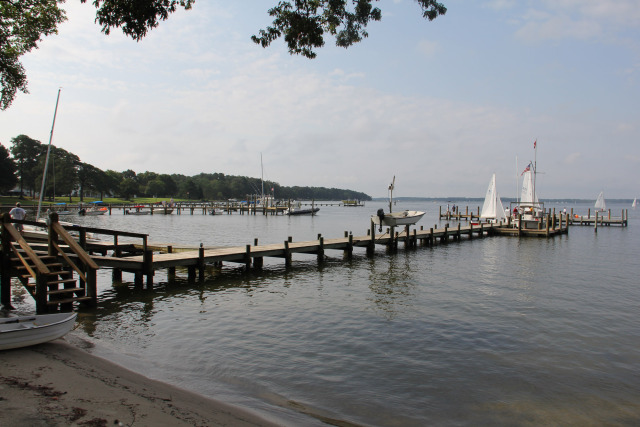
(137,210)
(393,219)
(24,331)
(297,209)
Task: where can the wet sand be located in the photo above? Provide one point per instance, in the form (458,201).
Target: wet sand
(59,384)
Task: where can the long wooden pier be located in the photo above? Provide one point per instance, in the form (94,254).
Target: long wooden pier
(84,256)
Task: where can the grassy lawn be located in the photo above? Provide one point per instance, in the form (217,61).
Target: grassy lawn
(27,201)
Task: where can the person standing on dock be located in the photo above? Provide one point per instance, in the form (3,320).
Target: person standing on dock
(19,214)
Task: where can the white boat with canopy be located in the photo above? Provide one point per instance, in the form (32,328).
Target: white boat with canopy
(393,219)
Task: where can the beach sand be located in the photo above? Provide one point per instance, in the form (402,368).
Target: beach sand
(59,384)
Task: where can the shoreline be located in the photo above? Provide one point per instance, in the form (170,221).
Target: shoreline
(58,383)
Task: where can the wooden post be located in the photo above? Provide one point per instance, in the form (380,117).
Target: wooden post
(348,252)
(5,265)
(147,268)
(431,237)
(547,225)
(172,270)
(201,263)
(53,236)
(371,247)
(287,254)
(519,224)
(595,223)
(41,293)
(458,233)
(320,249)
(247,260)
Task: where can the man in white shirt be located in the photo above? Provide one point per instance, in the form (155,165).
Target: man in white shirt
(19,214)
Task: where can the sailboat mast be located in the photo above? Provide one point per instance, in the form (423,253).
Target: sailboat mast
(46,161)
(517,184)
(261,180)
(535,168)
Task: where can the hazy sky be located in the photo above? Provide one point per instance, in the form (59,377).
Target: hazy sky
(441,105)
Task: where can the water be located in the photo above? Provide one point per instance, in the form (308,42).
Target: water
(494,331)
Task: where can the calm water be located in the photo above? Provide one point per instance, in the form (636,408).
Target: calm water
(495,331)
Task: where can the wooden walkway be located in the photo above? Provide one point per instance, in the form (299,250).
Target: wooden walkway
(143,259)
(253,255)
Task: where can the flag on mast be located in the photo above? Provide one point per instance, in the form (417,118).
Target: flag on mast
(534,144)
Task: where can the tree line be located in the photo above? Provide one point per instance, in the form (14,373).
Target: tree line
(23,166)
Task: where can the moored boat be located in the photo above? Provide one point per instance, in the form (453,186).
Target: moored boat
(23,331)
(297,209)
(492,209)
(601,205)
(393,219)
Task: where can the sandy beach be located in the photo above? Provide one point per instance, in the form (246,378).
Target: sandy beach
(59,384)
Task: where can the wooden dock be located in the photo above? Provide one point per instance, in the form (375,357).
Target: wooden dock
(84,256)
(595,219)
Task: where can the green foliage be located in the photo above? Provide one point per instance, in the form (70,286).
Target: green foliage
(68,175)
(8,169)
(26,153)
(303,23)
(22,24)
(135,17)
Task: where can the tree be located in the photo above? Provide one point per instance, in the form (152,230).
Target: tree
(22,24)
(8,169)
(26,152)
(302,23)
(128,187)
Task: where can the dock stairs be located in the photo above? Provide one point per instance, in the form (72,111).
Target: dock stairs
(57,274)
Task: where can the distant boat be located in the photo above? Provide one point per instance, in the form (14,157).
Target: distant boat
(93,211)
(492,209)
(635,202)
(393,219)
(297,209)
(352,203)
(601,205)
(137,211)
(23,331)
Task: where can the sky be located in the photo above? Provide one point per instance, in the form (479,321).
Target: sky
(440,105)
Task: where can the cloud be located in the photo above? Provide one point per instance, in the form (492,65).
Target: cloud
(428,48)
(577,19)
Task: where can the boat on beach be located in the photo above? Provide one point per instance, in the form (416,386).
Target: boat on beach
(393,219)
(24,331)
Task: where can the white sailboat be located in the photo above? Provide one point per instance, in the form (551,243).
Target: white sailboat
(601,205)
(635,202)
(529,210)
(492,209)
(393,219)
